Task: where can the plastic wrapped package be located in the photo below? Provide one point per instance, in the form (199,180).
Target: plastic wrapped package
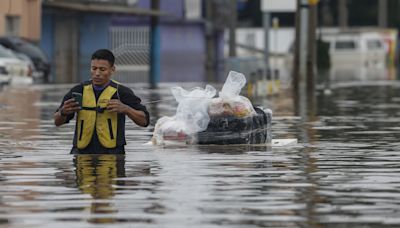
(227,119)
(233,119)
(189,118)
(233,85)
(237,106)
(171,129)
(195,116)
(230,102)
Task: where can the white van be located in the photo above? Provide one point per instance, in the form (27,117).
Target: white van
(358,55)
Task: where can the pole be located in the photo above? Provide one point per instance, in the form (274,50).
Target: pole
(343,14)
(232,29)
(155,42)
(311,45)
(302,58)
(210,45)
(296,54)
(382,13)
(326,14)
(267,28)
(311,58)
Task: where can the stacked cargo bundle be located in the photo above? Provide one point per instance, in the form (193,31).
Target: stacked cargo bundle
(202,118)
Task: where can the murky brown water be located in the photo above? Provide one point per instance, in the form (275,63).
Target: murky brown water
(344,172)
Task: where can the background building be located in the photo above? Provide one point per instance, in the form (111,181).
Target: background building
(21,18)
(73,29)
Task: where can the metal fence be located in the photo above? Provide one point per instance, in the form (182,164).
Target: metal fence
(131,48)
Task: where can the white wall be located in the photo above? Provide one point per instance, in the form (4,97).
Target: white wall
(279,41)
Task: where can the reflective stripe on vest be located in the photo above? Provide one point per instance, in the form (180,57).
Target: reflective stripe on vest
(89,118)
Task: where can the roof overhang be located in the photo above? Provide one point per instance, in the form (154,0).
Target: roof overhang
(104,8)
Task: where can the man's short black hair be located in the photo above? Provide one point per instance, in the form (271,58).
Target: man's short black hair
(104,54)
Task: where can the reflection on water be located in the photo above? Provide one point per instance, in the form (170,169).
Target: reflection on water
(20,118)
(343,173)
(97,175)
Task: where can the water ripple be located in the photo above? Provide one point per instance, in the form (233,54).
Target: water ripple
(343,172)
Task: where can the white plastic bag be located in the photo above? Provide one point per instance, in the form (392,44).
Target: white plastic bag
(230,103)
(233,85)
(192,107)
(197,106)
(191,115)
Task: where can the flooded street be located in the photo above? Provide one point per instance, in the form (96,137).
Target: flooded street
(344,172)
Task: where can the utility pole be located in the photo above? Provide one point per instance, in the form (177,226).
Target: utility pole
(326,14)
(210,44)
(312,55)
(305,56)
(383,13)
(343,14)
(232,29)
(155,53)
(296,58)
(267,28)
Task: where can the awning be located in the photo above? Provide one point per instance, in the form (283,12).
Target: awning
(103,8)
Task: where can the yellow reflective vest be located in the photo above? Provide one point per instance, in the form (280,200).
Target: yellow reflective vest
(95,116)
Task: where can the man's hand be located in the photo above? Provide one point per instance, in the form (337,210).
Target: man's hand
(139,117)
(115,105)
(70,106)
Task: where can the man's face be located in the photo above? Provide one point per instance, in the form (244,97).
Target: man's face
(101,71)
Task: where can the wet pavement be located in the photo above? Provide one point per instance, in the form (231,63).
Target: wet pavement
(344,172)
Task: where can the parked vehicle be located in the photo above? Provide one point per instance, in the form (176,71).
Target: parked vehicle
(12,69)
(5,78)
(24,58)
(37,56)
(357,55)
(354,55)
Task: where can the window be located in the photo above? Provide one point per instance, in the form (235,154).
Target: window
(345,45)
(374,44)
(12,25)
(193,9)
(250,39)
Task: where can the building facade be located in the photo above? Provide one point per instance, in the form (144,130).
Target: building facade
(72,30)
(21,18)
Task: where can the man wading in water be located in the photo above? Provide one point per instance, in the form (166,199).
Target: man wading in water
(100,123)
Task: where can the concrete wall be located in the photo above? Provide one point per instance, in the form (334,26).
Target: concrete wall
(93,35)
(47,40)
(69,38)
(182,42)
(183,50)
(182,53)
(29,12)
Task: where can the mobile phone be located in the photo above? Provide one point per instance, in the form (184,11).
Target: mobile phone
(78,98)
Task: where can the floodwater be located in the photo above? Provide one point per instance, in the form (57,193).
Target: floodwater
(344,172)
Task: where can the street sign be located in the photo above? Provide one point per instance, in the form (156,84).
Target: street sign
(278,5)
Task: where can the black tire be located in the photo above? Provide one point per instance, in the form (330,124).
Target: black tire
(231,130)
